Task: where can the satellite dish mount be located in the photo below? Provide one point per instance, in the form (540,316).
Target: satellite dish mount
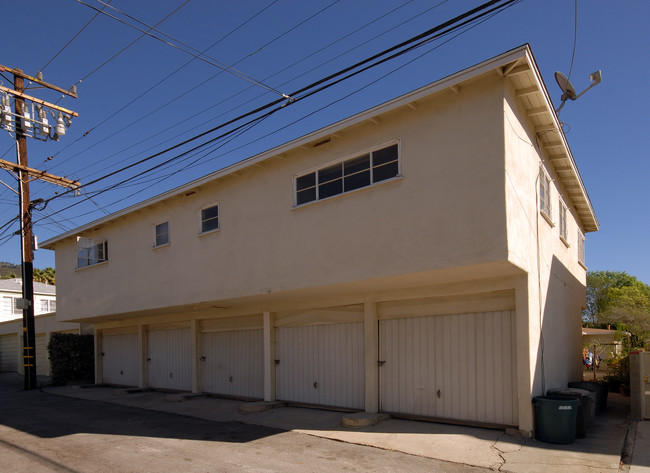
(569,92)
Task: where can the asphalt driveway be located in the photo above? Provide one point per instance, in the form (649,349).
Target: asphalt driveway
(45,432)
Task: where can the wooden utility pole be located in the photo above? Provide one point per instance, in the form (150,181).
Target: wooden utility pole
(26,244)
(25,174)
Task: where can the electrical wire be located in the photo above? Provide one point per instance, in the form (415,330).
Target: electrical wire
(174,125)
(130,44)
(471,12)
(575,38)
(72,39)
(322,84)
(134,100)
(188,50)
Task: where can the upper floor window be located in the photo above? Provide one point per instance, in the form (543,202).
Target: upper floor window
(545,194)
(348,175)
(161,234)
(209,218)
(562,209)
(91,252)
(581,248)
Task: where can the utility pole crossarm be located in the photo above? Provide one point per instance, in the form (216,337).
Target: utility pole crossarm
(38,101)
(19,73)
(42,175)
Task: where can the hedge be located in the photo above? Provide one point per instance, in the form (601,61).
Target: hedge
(71,357)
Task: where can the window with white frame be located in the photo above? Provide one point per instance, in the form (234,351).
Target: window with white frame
(562,210)
(9,305)
(545,194)
(161,234)
(91,252)
(581,248)
(209,218)
(47,305)
(348,175)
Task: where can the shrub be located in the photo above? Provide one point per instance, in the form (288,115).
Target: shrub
(71,357)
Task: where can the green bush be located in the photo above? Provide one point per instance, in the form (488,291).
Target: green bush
(71,357)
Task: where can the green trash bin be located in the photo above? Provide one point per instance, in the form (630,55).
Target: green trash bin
(555,418)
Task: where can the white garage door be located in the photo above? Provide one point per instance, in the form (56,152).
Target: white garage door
(42,356)
(232,363)
(321,364)
(120,360)
(9,352)
(170,359)
(458,367)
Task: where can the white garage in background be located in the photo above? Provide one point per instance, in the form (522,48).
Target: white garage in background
(120,360)
(458,367)
(169,358)
(9,351)
(321,364)
(232,363)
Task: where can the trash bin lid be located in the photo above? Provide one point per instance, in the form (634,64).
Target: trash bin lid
(570,391)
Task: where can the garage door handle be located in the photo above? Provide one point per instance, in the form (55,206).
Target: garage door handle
(380,363)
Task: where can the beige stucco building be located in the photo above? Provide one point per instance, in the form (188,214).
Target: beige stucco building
(424,258)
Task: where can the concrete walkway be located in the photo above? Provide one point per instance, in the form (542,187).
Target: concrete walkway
(600,451)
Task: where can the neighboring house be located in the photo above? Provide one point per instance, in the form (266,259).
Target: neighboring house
(12,289)
(605,343)
(11,342)
(424,258)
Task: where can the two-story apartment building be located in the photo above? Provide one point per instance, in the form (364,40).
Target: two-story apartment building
(424,257)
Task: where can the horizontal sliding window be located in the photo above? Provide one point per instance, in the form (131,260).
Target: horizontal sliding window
(348,175)
(91,252)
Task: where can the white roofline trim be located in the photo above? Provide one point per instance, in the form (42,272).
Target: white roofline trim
(449,82)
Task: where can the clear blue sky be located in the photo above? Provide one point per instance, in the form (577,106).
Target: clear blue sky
(287,44)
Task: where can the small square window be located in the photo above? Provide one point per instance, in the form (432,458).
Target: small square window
(91,252)
(209,219)
(161,234)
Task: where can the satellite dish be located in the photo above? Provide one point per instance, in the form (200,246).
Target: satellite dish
(569,92)
(566,86)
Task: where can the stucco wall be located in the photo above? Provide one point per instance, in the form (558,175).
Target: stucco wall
(556,280)
(447,210)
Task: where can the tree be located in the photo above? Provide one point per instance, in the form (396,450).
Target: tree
(619,299)
(46,276)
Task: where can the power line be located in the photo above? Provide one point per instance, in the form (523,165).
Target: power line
(131,43)
(234,108)
(489,8)
(272,75)
(134,100)
(199,56)
(72,39)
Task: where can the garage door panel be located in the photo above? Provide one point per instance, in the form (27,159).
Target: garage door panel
(234,363)
(321,364)
(120,359)
(169,358)
(450,366)
(9,352)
